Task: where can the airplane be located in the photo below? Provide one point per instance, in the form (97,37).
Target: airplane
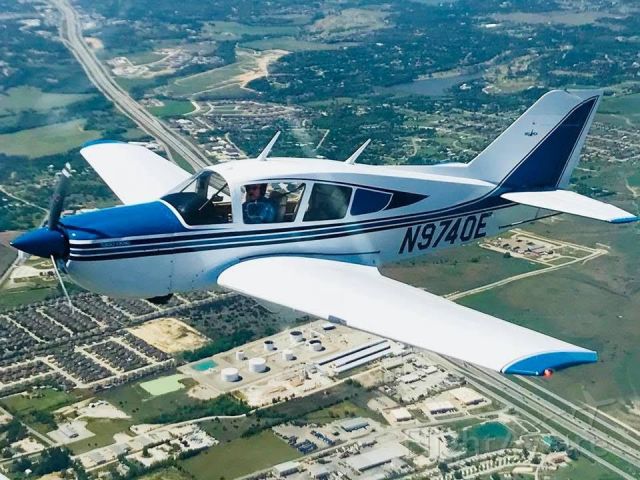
(310,234)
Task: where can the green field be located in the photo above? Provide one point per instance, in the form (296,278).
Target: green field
(142,58)
(240,457)
(217,78)
(40,399)
(47,140)
(235,31)
(584,469)
(459,269)
(292,44)
(19,99)
(343,409)
(172,108)
(104,429)
(171,473)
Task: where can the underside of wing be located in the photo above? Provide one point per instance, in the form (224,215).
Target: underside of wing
(360,297)
(134,173)
(573,203)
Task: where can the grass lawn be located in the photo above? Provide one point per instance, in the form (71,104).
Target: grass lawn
(584,469)
(40,399)
(104,429)
(171,473)
(30,98)
(172,108)
(240,457)
(47,140)
(340,410)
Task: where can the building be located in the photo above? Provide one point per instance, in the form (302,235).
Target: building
(467,396)
(376,457)
(287,468)
(401,414)
(439,407)
(354,424)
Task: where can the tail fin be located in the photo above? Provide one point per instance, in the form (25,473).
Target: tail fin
(542,147)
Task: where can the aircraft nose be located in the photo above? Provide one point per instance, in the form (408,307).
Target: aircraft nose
(42,242)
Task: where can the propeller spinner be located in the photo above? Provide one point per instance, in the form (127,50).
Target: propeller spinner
(48,241)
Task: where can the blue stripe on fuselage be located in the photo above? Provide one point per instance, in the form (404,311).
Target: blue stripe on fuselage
(268,237)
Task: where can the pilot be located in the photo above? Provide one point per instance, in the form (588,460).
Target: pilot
(257,208)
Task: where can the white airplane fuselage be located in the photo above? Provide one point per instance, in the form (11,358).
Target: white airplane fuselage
(113,252)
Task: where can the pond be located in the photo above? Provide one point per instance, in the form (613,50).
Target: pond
(204,365)
(434,87)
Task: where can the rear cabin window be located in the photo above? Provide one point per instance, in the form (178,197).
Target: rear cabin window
(204,200)
(275,202)
(369,201)
(328,202)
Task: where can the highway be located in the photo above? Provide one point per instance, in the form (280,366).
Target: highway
(525,402)
(71,35)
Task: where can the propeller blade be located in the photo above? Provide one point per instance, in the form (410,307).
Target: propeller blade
(57,201)
(64,289)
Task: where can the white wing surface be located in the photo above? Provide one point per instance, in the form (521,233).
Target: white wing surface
(134,173)
(571,202)
(360,297)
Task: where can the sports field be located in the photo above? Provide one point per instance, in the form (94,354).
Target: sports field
(163,385)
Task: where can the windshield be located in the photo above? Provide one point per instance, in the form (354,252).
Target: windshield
(202,200)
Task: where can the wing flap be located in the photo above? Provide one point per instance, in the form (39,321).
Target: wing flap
(134,173)
(360,297)
(570,202)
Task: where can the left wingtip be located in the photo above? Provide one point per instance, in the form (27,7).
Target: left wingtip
(629,219)
(544,363)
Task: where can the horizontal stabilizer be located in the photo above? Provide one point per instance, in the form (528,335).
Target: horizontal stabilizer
(573,203)
(134,173)
(360,297)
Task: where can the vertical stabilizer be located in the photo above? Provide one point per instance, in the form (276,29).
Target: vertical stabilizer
(542,147)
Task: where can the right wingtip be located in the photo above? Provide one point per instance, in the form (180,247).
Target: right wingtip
(543,363)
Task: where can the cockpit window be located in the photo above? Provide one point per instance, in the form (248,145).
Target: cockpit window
(328,202)
(274,202)
(204,200)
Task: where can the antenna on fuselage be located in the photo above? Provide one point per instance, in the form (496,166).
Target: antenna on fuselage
(352,159)
(265,153)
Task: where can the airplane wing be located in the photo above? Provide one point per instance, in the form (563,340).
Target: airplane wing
(360,297)
(571,202)
(134,173)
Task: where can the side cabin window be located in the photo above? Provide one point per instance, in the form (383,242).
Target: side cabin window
(204,200)
(369,201)
(328,202)
(274,202)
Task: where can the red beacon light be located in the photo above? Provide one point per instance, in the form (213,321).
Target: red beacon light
(547,373)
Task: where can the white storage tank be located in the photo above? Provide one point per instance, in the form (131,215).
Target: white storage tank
(240,355)
(269,346)
(257,365)
(315,345)
(296,336)
(288,355)
(230,374)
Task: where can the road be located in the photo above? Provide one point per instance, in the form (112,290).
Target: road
(516,396)
(71,35)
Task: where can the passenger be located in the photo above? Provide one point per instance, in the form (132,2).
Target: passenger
(257,208)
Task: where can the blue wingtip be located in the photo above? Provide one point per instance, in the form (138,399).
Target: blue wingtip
(98,142)
(630,219)
(539,364)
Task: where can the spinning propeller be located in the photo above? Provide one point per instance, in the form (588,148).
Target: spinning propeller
(50,241)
